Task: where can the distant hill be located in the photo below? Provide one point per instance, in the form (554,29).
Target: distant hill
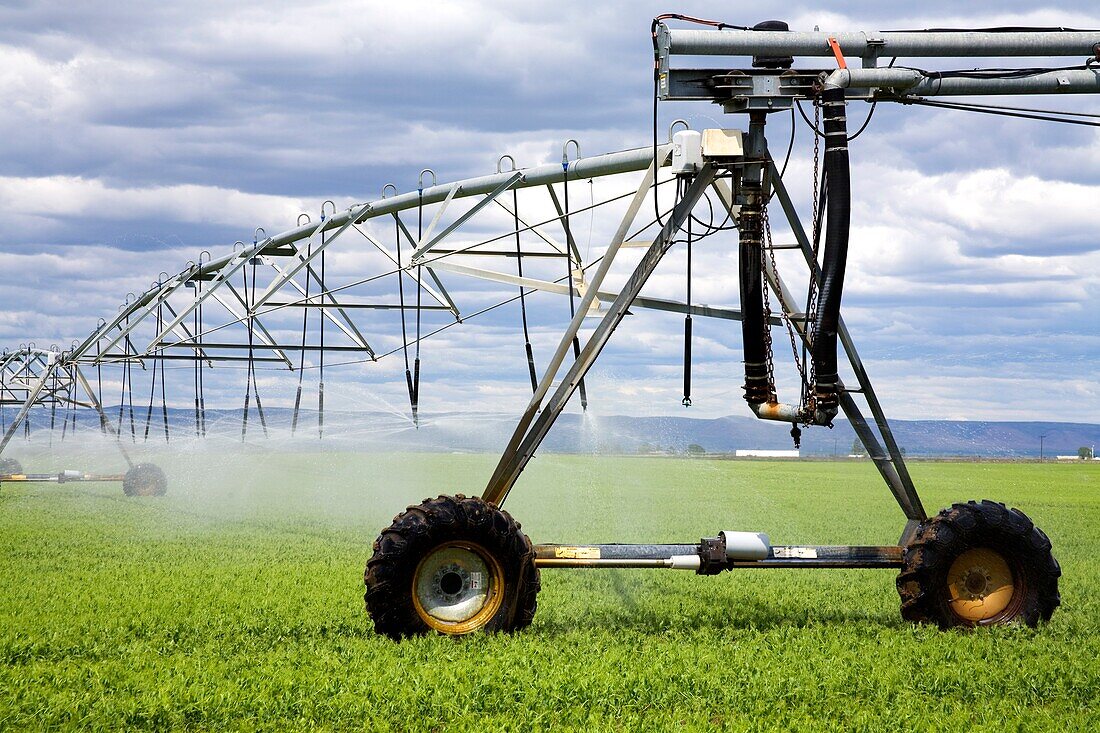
(616,433)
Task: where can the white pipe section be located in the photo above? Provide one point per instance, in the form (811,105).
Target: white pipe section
(746,545)
(685,562)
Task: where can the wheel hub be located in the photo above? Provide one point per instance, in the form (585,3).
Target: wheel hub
(980,585)
(457,587)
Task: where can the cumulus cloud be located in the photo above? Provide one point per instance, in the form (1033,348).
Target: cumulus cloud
(135,135)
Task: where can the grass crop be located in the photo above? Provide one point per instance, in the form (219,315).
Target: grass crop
(235,603)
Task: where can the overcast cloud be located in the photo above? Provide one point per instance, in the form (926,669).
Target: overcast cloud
(136,134)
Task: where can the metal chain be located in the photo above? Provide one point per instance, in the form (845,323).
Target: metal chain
(817,173)
(767,312)
(785,308)
(809,385)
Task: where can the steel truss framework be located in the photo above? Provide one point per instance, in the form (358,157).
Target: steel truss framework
(167,316)
(240,306)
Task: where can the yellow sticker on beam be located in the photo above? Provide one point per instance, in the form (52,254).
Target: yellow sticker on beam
(577,553)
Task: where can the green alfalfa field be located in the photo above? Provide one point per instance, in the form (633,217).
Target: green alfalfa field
(235,603)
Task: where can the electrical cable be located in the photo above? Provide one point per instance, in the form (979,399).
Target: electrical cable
(686,402)
(413,379)
(1062,113)
(251,357)
(570,249)
(53,409)
(163,399)
(198,339)
(999,29)
(302,356)
(152,383)
(522,299)
(994,73)
(252,363)
(198,363)
(993,110)
(321,344)
(99,387)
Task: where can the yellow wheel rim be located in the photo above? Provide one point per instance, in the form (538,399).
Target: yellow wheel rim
(458,587)
(980,585)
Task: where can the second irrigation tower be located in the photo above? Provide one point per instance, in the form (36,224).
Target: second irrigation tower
(458,564)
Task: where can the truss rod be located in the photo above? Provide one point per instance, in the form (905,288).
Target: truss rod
(608,164)
(894,471)
(531,431)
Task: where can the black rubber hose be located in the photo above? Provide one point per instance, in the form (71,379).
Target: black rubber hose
(756,386)
(835,256)
(686,402)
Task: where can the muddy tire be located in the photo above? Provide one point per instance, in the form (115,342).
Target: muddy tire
(529,601)
(9,466)
(145,479)
(979,564)
(454,565)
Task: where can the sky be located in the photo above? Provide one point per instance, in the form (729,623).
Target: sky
(136,134)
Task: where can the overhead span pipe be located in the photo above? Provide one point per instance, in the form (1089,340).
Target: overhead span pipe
(626,161)
(870,44)
(623,161)
(912,81)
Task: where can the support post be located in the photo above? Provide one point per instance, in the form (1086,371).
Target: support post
(104,421)
(891,464)
(524,442)
(32,397)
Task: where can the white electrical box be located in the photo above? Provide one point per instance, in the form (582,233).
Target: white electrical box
(687,152)
(722,144)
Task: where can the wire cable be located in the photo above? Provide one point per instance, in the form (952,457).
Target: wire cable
(992,110)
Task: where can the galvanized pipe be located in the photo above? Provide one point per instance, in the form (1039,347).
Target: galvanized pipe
(870,44)
(912,81)
(676,562)
(624,161)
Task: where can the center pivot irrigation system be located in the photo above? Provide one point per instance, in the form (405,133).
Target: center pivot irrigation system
(455,564)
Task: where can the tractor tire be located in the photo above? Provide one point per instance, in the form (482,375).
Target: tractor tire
(454,565)
(529,595)
(979,564)
(145,479)
(10,466)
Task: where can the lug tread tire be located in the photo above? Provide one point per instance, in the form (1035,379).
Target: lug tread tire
(422,527)
(969,525)
(145,479)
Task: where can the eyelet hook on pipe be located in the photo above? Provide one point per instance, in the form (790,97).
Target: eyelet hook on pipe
(299,221)
(327,203)
(256,235)
(387,187)
(208,256)
(565,153)
(420,180)
(672,127)
(501,160)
